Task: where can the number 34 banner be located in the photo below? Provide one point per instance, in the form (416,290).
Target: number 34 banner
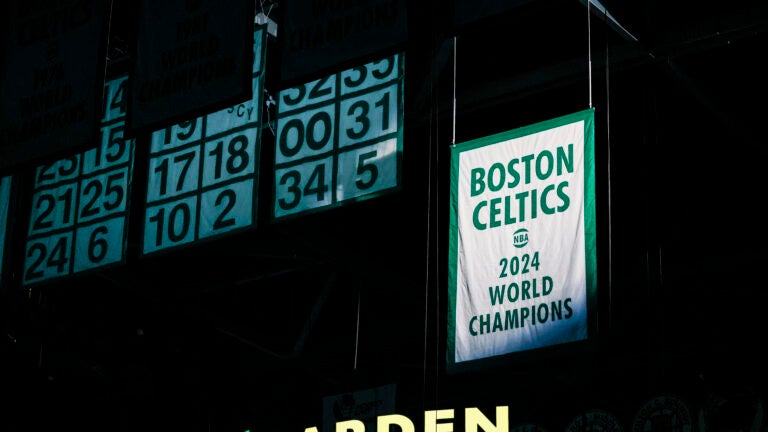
(339,138)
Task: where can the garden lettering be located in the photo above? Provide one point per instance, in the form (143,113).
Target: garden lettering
(434,421)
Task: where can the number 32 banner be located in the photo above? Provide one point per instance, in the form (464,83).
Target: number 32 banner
(339,138)
(522,258)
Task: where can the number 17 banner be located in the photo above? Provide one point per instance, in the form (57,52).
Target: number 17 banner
(203,172)
(339,138)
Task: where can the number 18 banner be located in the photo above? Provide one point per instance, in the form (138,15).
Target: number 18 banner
(203,172)
(522,260)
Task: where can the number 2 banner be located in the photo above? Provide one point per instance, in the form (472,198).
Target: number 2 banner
(203,173)
(339,138)
(80,203)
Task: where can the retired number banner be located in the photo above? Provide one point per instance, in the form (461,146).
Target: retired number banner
(80,205)
(339,138)
(5,205)
(522,259)
(203,172)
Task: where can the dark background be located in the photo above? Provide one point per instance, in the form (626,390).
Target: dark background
(253,331)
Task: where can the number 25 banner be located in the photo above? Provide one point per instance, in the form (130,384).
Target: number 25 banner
(80,204)
(522,266)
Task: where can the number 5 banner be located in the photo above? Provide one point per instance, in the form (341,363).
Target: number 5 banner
(522,261)
(339,138)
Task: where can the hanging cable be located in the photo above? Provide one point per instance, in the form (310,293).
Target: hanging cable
(428,237)
(431,164)
(589,50)
(357,327)
(453,137)
(608,182)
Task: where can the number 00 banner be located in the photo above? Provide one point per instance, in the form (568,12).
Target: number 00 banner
(339,138)
(522,258)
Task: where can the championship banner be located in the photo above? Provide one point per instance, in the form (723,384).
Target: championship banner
(203,172)
(193,57)
(317,36)
(51,78)
(80,205)
(522,261)
(5,205)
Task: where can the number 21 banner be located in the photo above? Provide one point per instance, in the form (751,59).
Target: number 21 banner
(522,268)
(339,138)
(81,203)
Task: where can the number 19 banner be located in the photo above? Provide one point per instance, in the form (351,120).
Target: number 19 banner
(522,266)
(203,172)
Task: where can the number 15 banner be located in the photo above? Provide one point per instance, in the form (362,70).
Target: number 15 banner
(522,266)
(339,138)
(80,205)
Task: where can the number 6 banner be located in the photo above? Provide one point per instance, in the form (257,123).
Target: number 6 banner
(80,204)
(339,138)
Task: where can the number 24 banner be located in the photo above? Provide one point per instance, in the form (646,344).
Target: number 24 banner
(80,203)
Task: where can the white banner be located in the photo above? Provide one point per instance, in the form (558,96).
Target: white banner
(522,239)
(203,172)
(5,204)
(80,205)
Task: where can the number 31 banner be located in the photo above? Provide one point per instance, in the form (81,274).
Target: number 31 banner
(339,138)
(522,261)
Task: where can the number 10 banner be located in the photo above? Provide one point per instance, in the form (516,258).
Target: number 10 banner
(203,172)
(339,138)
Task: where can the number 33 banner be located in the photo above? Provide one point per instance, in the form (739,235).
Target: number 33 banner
(339,138)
